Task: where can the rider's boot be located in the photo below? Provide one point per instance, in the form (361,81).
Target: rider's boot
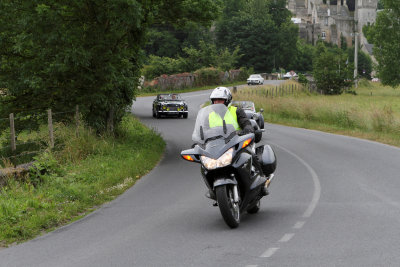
(265,191)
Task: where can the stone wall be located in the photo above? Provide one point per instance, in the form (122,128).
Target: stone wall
(186,80)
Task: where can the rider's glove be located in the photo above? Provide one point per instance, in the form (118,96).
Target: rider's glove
(246,130)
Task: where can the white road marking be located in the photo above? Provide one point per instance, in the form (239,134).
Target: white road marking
(251,265)
(269,252)
(286,237)
(317,185)
(299,225)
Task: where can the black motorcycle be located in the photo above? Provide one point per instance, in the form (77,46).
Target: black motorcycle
(234,170)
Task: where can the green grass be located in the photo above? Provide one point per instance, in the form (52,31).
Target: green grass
(85,172)
(153,92)
(374,113)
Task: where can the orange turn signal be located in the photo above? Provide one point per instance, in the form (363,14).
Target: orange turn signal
(247,142)
(187,157)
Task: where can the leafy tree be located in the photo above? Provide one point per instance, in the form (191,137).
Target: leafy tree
(380,5)
(193,59)
(169,40)
(385,35)
(263,31)
(60,53)
(302,61)
(364,62)
(162,43)
(331,72)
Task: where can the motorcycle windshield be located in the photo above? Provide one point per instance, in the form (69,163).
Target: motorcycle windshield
(212,122)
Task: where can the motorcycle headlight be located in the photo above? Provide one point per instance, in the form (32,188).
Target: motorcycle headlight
(222,161)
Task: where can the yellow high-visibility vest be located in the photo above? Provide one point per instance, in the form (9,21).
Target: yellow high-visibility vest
(230,117)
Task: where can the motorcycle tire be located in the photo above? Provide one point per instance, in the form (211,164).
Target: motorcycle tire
(254,209)
(229,210)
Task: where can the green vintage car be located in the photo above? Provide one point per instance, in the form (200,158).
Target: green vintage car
(170,105)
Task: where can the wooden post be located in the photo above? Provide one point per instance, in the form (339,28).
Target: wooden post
(234,89)
(77,120)
(12,129)
(51,133)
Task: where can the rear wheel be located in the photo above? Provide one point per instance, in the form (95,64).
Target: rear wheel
(229,209)
(185,116)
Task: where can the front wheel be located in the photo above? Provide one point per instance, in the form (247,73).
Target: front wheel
(229,209)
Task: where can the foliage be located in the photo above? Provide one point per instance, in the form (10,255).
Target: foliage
(263,31)
(169,40)
(193,59)
(161,65)
(303,58)
(74,183)
(364,62)
(331,72)
(62,53)
(207,76)
(302,79)
(381,4)
(385,35)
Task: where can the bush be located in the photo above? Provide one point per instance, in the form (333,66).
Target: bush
(207,76)
(245,73)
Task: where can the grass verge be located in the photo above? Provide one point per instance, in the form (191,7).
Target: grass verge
(153,92)
(373,113)
(85,172)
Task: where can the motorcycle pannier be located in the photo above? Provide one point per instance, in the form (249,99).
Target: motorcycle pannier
(267,159)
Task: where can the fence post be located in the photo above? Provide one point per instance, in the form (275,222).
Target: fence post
(12,129)
(234,89)
(77,120)
(50,122)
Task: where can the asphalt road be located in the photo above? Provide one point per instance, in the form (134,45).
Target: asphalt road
(335,202)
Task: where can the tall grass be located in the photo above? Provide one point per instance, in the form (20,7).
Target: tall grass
(373,113)
(85,171)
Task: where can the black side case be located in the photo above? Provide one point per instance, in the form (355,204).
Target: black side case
(267,159)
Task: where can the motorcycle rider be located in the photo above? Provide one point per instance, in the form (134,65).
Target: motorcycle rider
(222,95)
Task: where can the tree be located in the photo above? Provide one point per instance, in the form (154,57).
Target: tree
(67,52)
(364,62)
(263,31)
(304,56)
(331,72)
(385,35)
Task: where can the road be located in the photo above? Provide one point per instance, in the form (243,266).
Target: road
(335,202)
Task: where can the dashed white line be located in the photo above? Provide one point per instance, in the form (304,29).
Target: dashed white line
(286,237)
(269,252)
(251,265)
(299,225)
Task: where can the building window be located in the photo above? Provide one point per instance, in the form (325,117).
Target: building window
(323,35)
(326,21)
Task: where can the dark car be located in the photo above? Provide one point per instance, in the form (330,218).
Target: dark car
(250,110)
(169,105)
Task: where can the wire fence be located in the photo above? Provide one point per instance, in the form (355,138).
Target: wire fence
(26,135)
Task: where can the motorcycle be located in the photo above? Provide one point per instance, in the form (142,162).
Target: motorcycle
(233,169)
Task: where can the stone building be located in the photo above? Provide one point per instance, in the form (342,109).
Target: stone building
(334,21)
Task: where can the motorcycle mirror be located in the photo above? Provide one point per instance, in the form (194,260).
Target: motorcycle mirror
(261,110)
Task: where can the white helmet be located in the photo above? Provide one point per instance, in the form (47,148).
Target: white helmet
(221,93)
